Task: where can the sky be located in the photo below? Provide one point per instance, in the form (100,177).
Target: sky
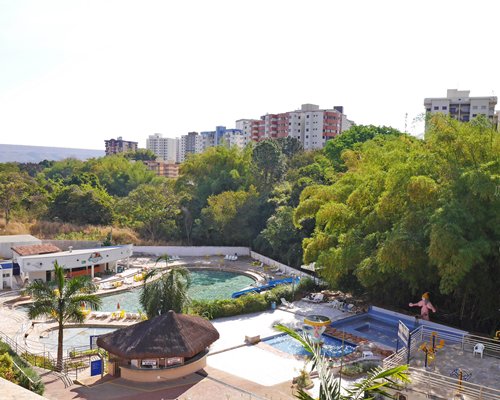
(74,73)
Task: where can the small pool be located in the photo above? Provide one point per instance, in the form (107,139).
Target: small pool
(205,285)
(73,337)
(331,347)
(381,326)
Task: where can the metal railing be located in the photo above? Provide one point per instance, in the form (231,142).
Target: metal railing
(442,382)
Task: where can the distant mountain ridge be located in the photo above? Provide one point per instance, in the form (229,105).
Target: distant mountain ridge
(35,154)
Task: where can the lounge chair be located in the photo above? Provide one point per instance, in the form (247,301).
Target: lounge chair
(349,307)
(316,298)
(286,303)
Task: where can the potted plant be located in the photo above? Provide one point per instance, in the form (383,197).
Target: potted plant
(303,381)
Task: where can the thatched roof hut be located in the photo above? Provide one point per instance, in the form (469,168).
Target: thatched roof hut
(168,335)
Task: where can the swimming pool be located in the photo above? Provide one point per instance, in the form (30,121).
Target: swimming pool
(206,284)
(73,337)
(381,326)
(331,347)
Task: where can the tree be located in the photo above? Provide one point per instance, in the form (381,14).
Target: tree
(230,218)
(269,162)
(168,291)
(61,299)
(118,174)
(13,189)
(351,138)
(141,155)
(377,382)
(152,209)
(82,205)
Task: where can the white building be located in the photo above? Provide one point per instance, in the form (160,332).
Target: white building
(76,262)
(459,105)
(9,241)
(311,125)
(164,148)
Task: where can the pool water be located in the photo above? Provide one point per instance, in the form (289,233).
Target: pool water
(205,285)
(331,347)
(73,337)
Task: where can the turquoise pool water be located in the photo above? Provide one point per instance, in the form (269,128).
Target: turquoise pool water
(205,285)
(331,347)
(73,337)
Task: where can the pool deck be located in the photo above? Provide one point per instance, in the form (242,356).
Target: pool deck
(235,369)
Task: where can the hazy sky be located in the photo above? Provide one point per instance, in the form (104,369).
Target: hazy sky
(73,73)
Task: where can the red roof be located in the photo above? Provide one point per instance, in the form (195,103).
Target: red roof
(36,249)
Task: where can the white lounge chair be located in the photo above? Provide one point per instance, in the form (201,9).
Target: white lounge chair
(286,303)
(349,307)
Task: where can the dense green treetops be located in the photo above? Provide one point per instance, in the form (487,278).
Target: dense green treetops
(382,213)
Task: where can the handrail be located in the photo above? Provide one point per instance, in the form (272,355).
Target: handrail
(432,379)
(31,381)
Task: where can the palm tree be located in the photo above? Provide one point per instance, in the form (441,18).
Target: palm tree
(165,292)
(62,299)
(376,383)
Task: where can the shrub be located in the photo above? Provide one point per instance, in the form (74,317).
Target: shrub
(249,303)
(358,368)
(38,386)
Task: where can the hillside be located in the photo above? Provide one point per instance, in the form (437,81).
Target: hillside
(35,154)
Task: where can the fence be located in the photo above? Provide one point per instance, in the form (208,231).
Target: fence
(273,263)
(192,251)
(443,382)
(70,365)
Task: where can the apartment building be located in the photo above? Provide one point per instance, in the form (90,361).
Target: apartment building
(167,169)
(192,143)
(222,135)
(459,105)
(116,146)
(311,125)
(164,148)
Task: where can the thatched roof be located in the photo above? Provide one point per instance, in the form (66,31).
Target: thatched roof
(168,335)
(35,249)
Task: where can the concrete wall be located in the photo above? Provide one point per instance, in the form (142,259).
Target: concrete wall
(193,251)
(5,247)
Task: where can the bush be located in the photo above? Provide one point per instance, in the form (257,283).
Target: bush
(38,386)
(358,368)
(249,303)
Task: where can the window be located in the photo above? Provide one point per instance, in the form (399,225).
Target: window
(474,107)
(483,107)
(444,107)
(307,130)
(436,107)
(307,116)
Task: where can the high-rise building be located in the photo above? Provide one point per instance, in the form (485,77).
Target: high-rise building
(459,105)
(222,135)
(192,143)
(310,125)
(115,146)
(164,148)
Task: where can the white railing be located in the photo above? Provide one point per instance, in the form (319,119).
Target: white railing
(452,385)
(276,264)
(443,382)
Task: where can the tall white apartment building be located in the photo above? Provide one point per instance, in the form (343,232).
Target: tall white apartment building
(164,148)
(311,125)
(459,105)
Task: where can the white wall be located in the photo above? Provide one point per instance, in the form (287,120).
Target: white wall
(273,263)
(194,251)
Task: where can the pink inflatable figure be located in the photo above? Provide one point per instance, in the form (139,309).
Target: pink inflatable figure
(425,305)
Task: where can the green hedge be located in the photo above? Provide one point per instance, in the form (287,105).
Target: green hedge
(38,386)
(252,302)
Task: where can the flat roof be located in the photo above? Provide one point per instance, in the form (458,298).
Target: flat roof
(18,238)
(72,252)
